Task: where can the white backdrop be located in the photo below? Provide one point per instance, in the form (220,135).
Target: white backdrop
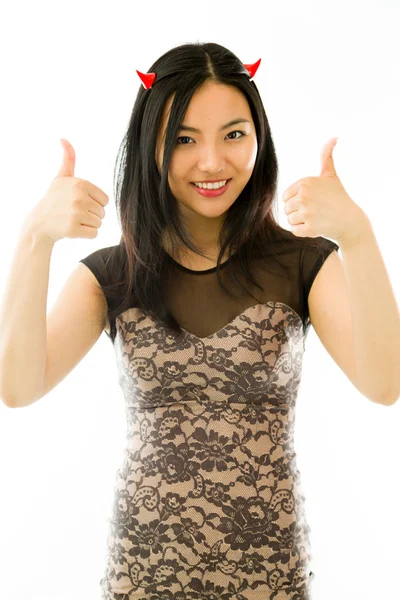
(68,70)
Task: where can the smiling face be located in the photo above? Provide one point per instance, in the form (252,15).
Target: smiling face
(215,152)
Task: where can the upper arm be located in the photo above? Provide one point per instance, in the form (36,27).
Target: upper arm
(330,315)
(74,324)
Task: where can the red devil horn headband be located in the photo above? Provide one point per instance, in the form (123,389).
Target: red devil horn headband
(149,78)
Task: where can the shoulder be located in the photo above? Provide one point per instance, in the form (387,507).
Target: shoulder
(103,263)
(308,251)
(104,254)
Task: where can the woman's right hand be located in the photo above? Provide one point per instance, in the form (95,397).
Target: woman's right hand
(71,207)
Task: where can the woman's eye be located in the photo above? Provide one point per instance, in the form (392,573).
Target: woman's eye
(185,137)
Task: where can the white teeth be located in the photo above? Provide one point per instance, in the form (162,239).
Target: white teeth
(211,186)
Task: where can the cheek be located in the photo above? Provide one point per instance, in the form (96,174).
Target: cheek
(251,156)
(177,170)
(245,157)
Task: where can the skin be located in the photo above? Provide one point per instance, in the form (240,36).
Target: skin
(211,154)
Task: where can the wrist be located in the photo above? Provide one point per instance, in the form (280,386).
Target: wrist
(361,231)
(32,233)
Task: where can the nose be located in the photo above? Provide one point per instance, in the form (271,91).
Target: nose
(211,159)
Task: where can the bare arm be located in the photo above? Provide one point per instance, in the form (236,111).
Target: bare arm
(23,331)
(375,317)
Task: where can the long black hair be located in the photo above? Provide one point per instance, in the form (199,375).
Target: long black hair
(146,207)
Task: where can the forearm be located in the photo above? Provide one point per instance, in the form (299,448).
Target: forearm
(375,316)
(23,328)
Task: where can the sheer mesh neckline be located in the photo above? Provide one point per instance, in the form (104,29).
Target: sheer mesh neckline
(203,272)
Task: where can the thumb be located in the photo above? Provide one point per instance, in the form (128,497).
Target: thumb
(327,163)
(67,168)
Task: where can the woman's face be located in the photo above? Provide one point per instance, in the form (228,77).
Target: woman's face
(214,152)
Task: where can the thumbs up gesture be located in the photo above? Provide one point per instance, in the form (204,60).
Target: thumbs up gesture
(320,206)
(71,207)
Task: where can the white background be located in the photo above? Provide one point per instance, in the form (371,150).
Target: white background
(69,70)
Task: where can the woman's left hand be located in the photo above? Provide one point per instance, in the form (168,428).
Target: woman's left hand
(320,206)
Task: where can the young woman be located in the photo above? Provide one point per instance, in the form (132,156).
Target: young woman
(209,342)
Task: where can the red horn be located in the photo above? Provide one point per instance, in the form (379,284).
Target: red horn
(147,79)
(252,69)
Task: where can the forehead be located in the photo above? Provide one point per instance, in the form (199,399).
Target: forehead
(211,105)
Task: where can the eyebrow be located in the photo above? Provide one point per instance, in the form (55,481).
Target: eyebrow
(234,122)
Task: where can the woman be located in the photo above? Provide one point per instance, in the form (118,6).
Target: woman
(209,496)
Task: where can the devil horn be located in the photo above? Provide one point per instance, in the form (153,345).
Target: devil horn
(147,79)
(252,69)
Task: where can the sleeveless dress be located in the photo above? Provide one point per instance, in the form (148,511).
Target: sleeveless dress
(208,501)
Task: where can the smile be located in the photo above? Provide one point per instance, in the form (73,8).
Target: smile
(212,193)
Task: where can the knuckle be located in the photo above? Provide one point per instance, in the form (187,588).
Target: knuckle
(76,203)
(77,186)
